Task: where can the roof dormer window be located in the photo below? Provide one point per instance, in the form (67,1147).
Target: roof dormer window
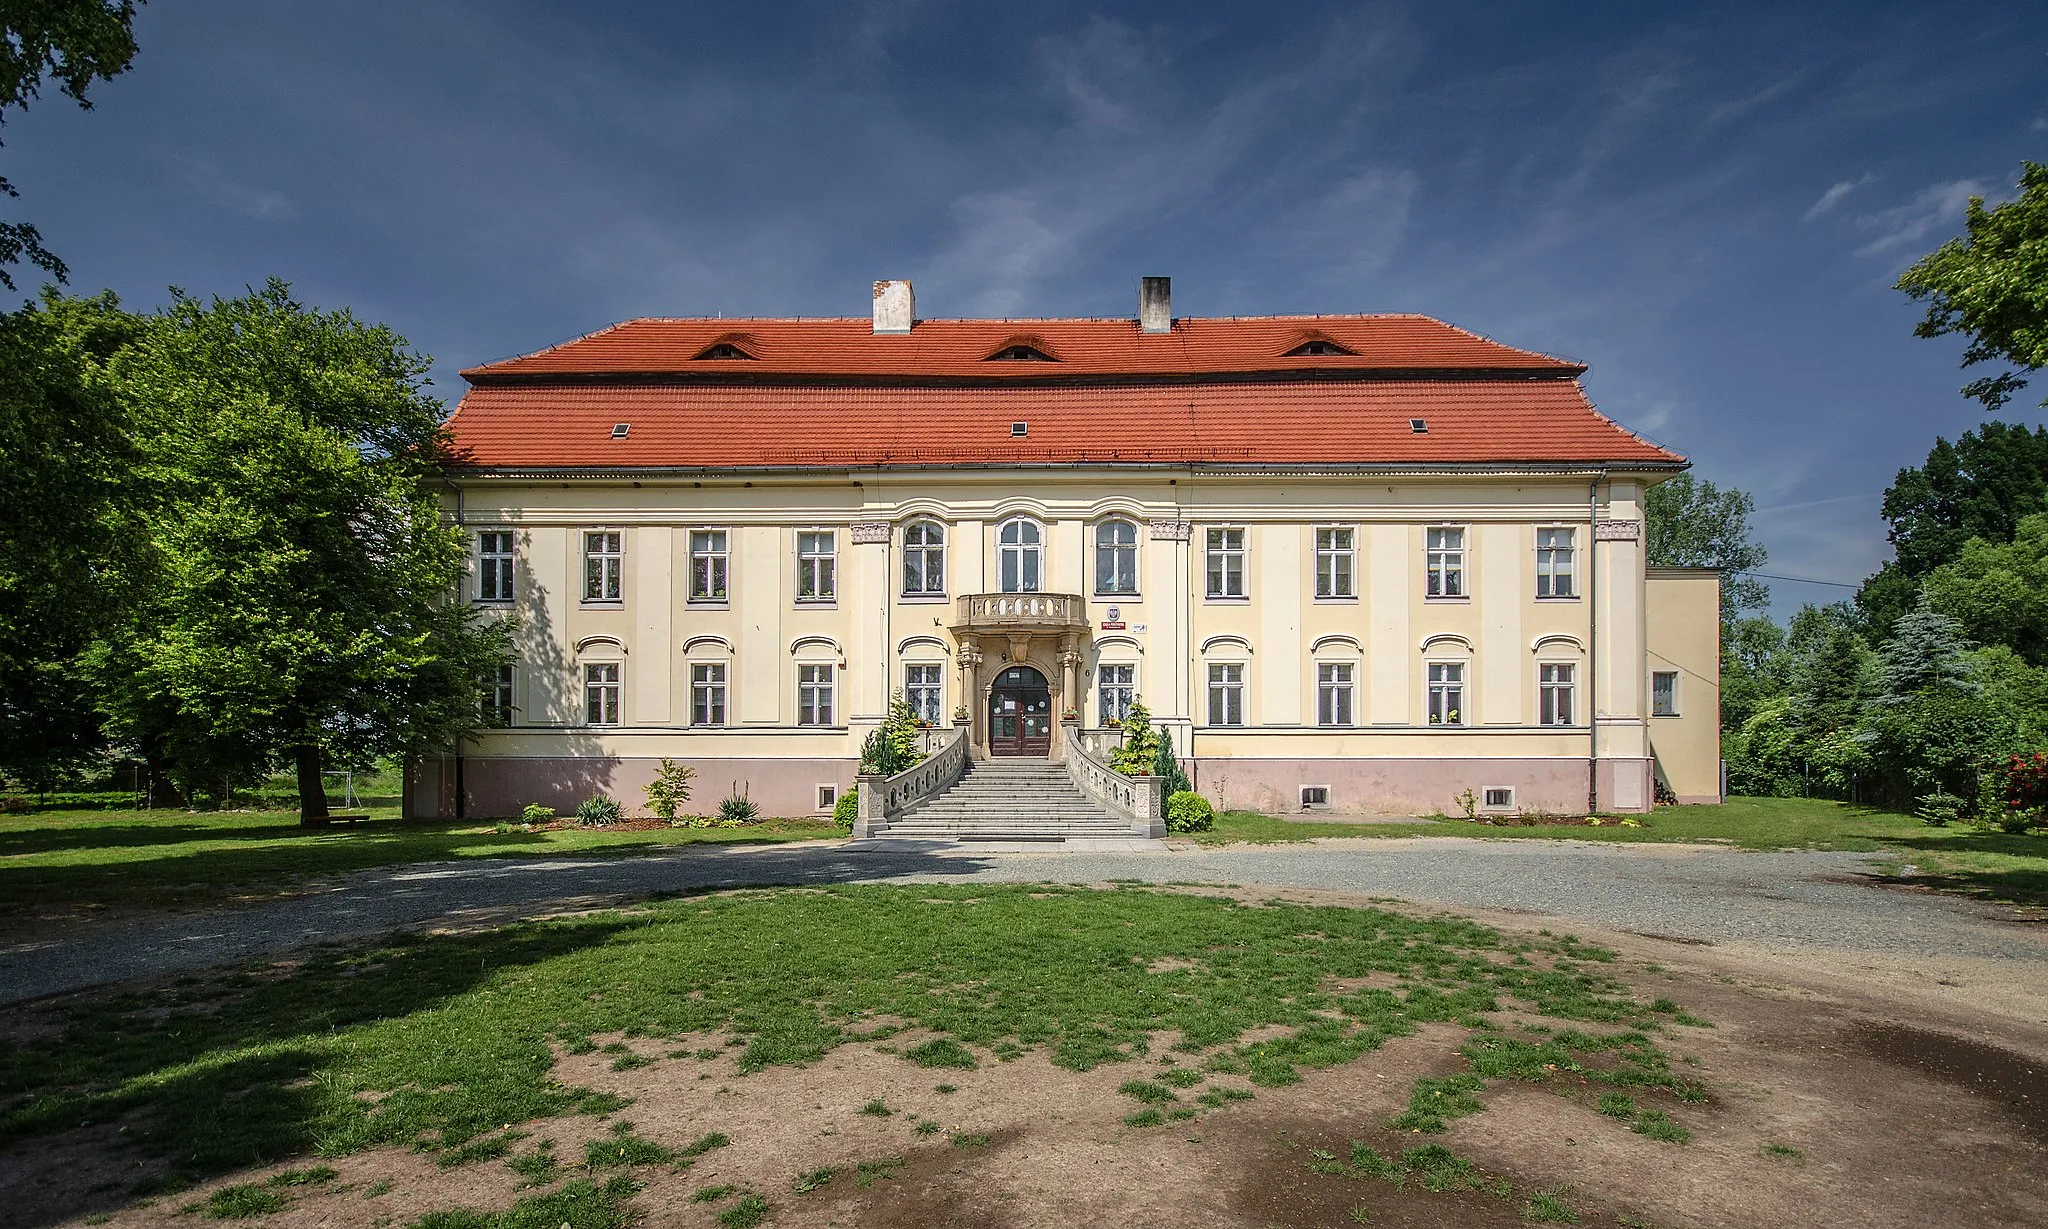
(1021,352)
(1320,347)
(724,349)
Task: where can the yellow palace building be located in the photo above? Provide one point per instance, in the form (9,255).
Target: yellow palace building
(1364,563)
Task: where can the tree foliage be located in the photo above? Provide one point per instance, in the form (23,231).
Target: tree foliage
(893,746)
(1695,524)
(1991,285)
(295,596)
(70,42)
(1138,754)
(1998,591)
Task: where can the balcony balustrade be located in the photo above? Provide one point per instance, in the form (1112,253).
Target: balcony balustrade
(1021,612)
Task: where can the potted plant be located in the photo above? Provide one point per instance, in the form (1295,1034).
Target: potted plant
(960,715)
(1070,714)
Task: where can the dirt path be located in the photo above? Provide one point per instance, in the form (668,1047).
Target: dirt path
(1835,1099)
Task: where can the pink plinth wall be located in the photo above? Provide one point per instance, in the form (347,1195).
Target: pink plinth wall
(498,787)
(1385,786)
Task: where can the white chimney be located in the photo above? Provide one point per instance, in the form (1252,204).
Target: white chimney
(1155,304)
(895,307)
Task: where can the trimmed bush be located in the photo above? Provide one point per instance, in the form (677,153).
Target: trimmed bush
(597,811)
(670,789)
(846,810)
(1187,811)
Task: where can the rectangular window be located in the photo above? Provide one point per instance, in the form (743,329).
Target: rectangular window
(1118,687)
(1554,693)
(1226,693)
(814,566)
(827,796)
(707,693)
(924,686)
(1314,796)
(1333,693)
(1226,563)
(1447,563)
(497,698)
(494,566)
(601,693)
(1664,693)
(707,565)
(601,559)
(1499,798)
(1335,563)
(1554,563)
(814,695)
(1446,693)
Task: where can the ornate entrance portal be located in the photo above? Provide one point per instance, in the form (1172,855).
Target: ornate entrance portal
(1020,713)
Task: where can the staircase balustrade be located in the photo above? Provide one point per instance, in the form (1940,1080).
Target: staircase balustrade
(1139,801)
(880,797)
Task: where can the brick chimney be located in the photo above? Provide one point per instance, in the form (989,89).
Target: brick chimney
(1155,304)
(895,307)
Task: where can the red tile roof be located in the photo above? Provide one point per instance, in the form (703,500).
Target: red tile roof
(960,349)
(831,393)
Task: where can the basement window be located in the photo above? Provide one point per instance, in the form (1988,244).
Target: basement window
(828,797)
(619,430)
(1314,796)
(1499,798)
(1419,426)
(1319,348)
(1018,430)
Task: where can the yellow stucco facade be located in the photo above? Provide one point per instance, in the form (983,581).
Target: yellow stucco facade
(1289,676)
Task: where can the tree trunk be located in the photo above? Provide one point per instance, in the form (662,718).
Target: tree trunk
(312,794)
(161,790)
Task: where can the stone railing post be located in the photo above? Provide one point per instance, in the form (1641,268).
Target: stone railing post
(870,804)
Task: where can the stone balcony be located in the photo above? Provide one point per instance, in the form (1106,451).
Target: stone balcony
(1012,613)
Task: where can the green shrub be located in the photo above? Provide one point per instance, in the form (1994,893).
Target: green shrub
(1167,765)
(846,810)
(738,809)
(597,811)
(670,789)
(1939,809)
(1138,754)
(1187,811)
(535,813)
(893,747)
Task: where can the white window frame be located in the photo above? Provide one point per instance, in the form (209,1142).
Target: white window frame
(1444,562)
(1336,566)
(1549,691)
(827,796)
(1677,705)
(496,564)
(1225,694)
(604,568)
(1557,562)
(1307,804)
(712,585)
(1116,562)
(709,694)
(1020,565)
(817,565)
(1444,683)
(499,697)
(1336,694)
(918,543)
(1114,696)
(1223,563)
(604,693)
(1487,804)
(816,683)
(927,693)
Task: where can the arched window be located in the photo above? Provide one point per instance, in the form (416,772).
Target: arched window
(1116,557)
(1020,556)
(924,559)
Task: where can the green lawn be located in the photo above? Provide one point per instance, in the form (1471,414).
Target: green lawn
(447,1043)
(168,858)
(1961,858)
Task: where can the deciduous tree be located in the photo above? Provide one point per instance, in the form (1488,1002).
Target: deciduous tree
(1991,285)
(1695,524)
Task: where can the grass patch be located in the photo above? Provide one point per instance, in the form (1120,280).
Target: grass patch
(1144,1118)
(811,1181)
(876,1109)
(579,1205)
(962,1140)
(165,858)
(1148,1092)
(942,1052)
(1434,1102)
(623,1149)
(304,1177)
(867,1173)
(712,1194)
(539,1166)
(1656,1124)
(244,1200)
(1181,1077)
(1782,1152)
(1550,1207)
(487,1148)
(435,1042)
(703,1144)
(751,1210)
(1432,1166)
(1217,1096)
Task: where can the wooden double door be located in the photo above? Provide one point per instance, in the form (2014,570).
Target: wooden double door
(1020,713)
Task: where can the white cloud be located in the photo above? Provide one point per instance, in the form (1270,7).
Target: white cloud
(2040,124)
(1833,196)
(1935,205)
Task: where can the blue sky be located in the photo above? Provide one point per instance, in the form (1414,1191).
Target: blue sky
(1708,207)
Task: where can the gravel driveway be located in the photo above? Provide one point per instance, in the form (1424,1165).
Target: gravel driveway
(1788,900)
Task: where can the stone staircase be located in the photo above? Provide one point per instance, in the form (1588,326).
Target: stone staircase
(1009,799)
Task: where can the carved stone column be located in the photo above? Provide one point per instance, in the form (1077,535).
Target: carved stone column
(1070,668)
(968,658)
